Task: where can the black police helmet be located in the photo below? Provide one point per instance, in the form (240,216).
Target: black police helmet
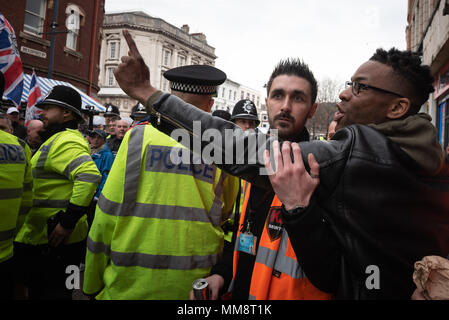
(111,111)
(245,109)
(65,97)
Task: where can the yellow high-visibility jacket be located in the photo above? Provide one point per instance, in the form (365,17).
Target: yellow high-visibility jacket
(157,224)
(64,173)
(15,189)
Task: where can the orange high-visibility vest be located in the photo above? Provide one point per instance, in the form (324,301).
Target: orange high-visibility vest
(277,274)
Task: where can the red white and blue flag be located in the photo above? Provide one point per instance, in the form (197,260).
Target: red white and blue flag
(10,63)
(33,97)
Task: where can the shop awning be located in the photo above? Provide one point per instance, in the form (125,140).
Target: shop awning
(46,84)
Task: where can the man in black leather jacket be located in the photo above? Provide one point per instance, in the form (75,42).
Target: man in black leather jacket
(382,202)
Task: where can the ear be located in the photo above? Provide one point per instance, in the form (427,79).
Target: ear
(398,108)
(67,114)
(210,104)
(312,110)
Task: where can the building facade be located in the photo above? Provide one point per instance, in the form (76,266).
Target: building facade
(428,33)
(162,46)
(227,96)
(78,25)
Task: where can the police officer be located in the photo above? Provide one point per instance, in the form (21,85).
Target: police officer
(111,115)
(15,199)
(65,178)
(244,115)
(168,211)
(138,113)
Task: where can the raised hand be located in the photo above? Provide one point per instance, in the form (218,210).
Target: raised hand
(291,182)
(133,75)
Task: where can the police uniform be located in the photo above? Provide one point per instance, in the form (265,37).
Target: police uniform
(15,202)
(111,111)
(65,179)
(158,221)
(138,113)
(245,109)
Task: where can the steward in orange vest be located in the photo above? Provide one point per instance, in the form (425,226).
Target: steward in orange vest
(276,273)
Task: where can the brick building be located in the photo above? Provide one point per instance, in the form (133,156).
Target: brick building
(76,53)
(428,33)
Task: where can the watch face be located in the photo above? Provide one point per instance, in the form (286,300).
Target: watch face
(275,226)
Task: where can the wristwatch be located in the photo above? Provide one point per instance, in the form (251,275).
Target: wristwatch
(296,210)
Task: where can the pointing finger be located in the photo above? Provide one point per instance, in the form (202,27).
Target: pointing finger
(133,51)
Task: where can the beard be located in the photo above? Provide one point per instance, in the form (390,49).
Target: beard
(52,128)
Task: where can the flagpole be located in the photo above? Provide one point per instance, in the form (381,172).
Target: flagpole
(54,24)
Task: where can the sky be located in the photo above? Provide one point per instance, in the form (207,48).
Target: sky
(250,36)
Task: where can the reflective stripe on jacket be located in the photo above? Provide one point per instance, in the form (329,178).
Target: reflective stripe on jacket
(157,224)
(15,189)
(63,173)
(277,274)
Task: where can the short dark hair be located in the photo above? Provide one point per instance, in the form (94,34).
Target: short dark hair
(408,66)
(296,67)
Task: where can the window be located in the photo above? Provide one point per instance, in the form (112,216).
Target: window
(253,97)
(34,16)
(247,95)
(167,57)
(235,95)
(223,93)
(73,22)
(230,94)
(242,95)
(110,77)
(113,50)
(181,61)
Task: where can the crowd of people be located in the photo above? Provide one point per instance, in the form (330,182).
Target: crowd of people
(145,216)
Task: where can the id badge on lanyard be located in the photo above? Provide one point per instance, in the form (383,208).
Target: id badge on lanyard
(248,242)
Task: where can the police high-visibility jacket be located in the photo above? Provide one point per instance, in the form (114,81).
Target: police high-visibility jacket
(15,189)
(157,224)
(63,173)
(277,274)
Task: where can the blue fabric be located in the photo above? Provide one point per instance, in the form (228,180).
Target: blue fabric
(103,159)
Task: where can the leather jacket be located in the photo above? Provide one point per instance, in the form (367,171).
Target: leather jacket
(374,214)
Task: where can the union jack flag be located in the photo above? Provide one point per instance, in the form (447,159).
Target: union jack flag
(10,63)
(33,97)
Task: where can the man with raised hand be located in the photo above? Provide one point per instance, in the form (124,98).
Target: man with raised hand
(382,199)
(157,225)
